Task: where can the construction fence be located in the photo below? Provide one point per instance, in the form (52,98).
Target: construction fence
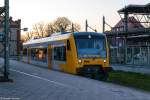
(135,55)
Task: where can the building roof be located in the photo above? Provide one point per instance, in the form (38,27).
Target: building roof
(132,21)
(13,23)
(138,9)
(137,29)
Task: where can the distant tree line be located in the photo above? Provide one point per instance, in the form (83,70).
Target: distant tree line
(41,29)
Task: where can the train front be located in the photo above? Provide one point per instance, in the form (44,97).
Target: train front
(92,54)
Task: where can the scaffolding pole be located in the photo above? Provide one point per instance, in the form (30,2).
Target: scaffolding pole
(125,38)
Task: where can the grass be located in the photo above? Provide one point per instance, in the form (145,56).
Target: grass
(130,79)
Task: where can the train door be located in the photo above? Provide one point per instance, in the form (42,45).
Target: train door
(58,57)
(49,54)
(54,62)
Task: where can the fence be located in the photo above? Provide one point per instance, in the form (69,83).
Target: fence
(135,55)
(138,55)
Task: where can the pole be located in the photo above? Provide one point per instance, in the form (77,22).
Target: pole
(72,27)
(86,25)
(6,45)
(125,39)
(103,24)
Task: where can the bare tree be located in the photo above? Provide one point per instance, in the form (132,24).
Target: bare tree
(29,35)
(75,27)
(62,23)
(23,38)
(49,29)
(39,30)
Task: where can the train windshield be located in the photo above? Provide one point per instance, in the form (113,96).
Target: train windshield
(91,47)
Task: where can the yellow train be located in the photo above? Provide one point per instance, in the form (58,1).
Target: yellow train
(83,53)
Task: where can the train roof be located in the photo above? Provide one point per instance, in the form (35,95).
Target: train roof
(88,33)
(47,40)
(56,37)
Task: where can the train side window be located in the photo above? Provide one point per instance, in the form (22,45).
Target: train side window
(39,54)
(60,53)
(68,45)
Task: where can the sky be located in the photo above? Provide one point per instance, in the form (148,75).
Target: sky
(34,11)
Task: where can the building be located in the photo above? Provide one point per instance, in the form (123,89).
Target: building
(14,35)
(130,38)
(133,25)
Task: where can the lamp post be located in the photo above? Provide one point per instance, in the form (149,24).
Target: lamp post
(19,42)
(6,54)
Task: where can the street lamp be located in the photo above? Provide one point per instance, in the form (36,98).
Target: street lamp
(20,43)
(22,29)
(25,29)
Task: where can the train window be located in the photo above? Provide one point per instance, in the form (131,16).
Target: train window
(39,54)
(60,53)
(68,45)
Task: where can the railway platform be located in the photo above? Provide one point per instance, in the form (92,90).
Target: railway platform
(35,83)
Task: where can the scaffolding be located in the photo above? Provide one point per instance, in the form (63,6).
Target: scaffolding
(135,40)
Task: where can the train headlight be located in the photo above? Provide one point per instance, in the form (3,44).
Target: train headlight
(80,61)
(104,61)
